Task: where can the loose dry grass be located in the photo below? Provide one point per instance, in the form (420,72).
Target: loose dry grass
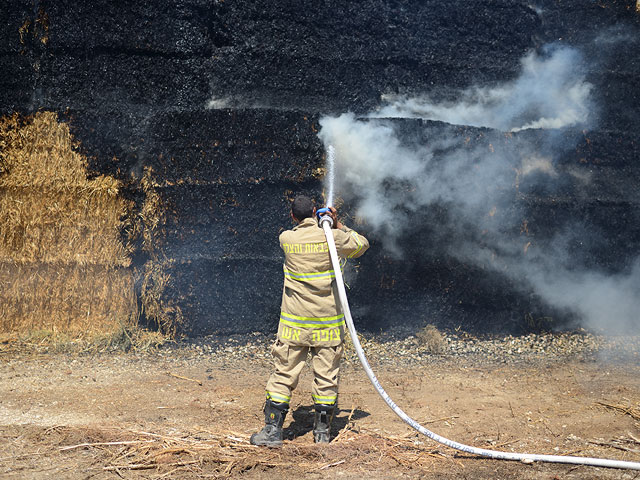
(624,407)
(158,307)
(208,454)
(151,216)
(431,339)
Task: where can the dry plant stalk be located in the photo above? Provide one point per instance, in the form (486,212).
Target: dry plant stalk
(156,304)
(62,259)
(151,215)
(158,307)
(633,412)
(226,453)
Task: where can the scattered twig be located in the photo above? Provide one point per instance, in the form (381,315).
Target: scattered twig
(169,473)
(347,426)
(628,410)
(441,419)
(101,444)
(332,465)
(615,445)
(23,455)
(184,378)
(141,466)
(508,442)
(572,452)
(148,466)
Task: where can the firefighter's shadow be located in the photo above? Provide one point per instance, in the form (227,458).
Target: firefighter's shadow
(303,421)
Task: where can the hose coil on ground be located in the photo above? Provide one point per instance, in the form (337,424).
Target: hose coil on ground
(494,454)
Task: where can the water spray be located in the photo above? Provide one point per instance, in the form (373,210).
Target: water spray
(326,222)
(331,168)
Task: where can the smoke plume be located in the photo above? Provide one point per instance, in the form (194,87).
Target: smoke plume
(395,174)
(551,92)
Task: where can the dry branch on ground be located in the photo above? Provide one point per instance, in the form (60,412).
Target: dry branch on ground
(632,410)
(229,452)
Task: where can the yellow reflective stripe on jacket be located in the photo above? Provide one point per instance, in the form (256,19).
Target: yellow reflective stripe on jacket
(277,397)
(360,244)
(313,322)
(309,276)
(324,399)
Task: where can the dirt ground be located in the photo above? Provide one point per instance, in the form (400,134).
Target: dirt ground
(185,413)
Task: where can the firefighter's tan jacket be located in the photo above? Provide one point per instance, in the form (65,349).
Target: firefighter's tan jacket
(310,314)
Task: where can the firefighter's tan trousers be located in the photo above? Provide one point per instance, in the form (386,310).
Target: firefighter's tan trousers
(289,361)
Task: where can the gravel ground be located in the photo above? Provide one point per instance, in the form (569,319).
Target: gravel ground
(390,349)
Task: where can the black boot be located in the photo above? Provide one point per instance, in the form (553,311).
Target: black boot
(322,423)
(271,434)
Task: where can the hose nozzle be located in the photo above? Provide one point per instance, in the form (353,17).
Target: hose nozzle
(324,216)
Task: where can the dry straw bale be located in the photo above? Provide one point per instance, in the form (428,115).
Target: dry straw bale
(38,151)
(61,248)
(49,210)
(71,299)
(59,226)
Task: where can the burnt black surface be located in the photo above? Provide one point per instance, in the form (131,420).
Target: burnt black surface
(134,81)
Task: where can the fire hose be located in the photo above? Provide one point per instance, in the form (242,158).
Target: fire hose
(327,223)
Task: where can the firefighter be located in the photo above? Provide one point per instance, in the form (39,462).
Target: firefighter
(311,321)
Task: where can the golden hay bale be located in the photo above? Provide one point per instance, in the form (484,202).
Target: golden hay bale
(61,227)
(49,210)
(61,248)
(38,151)
(71,298)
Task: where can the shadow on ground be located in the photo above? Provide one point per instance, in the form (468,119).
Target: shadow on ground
(303,421)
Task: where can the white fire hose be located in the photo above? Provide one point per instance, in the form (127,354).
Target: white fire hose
(326,223)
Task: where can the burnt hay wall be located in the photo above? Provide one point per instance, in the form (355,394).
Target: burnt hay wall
(134,81)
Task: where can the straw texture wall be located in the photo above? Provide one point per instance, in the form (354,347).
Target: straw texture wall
(63,259)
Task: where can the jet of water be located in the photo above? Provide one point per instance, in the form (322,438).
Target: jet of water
(331,160)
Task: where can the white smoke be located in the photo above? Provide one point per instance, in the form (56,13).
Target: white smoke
(607,302)
(391,177)
(551,92)
(215,103)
